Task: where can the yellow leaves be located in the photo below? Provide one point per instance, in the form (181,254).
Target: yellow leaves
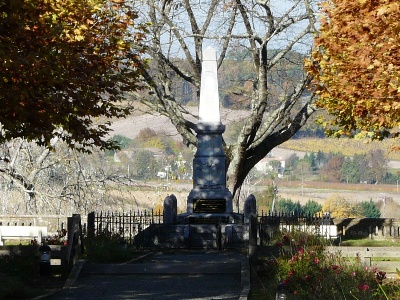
(96,8)
(388,9)
(339,207)
(377,63)
(356,64)
(45,38)
(79,37)
(361,135)
(396,105)
(120,44)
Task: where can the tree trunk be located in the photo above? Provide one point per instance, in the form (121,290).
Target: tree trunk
(274,117)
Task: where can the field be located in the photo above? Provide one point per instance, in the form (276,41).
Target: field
(319,191)
(348,147)
(154,194)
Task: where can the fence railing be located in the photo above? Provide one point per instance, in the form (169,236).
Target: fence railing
(270,223)
(129,224)
(293,219)
(125,224)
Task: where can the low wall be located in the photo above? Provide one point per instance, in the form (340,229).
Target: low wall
(349,228)
(372,228)
(22,232)
(52,222)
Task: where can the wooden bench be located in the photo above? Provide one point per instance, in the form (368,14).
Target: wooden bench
(22,232)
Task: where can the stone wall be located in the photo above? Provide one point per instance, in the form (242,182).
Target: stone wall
(349,228)
(52,222)
(372,228)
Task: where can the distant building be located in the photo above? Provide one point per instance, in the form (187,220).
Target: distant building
(162,175)
(265,166)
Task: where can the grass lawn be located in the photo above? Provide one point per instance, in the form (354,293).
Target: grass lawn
(370,243)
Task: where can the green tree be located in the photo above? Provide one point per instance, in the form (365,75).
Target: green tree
(145,165)
(356,169)
(291,162)
(64,69)
(369,209)
(311,207)
(320,159)
(288,206)
(122,141)
(311,159)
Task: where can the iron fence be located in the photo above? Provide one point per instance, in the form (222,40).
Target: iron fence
(131,225)
(270,223)
(294,219)
(125,224)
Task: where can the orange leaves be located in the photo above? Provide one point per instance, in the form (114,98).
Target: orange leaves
(58,61)
(393,7)
(357,65)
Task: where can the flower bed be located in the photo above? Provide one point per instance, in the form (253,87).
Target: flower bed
(303,270)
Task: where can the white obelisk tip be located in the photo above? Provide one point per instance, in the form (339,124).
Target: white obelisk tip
(209,97)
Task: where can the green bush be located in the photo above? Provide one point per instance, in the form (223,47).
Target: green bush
(107,248)
(18,273)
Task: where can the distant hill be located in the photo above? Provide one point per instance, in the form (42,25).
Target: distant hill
(131,126)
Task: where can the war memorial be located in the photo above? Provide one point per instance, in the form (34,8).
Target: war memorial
(209,221)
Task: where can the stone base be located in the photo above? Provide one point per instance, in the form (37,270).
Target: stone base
(194,236)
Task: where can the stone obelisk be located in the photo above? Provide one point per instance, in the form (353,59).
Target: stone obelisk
(209,194)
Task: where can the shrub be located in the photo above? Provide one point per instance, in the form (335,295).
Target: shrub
(18,273)
(107,248)
(306,271)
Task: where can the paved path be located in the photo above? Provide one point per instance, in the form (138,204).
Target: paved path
(179,275)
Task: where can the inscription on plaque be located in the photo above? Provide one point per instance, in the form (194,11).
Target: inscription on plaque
(209,205)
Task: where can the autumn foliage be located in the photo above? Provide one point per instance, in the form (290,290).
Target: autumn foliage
(65,64)
(356,67)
